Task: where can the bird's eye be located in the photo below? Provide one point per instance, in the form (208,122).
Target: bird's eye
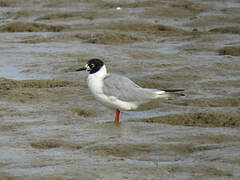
(91,66)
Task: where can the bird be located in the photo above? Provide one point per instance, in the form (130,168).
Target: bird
(116,91)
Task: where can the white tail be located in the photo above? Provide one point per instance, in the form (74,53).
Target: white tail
(169,92)
(162,94)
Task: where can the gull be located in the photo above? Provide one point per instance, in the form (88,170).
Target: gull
(116,91)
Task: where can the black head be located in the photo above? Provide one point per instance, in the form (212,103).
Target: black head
(92,66)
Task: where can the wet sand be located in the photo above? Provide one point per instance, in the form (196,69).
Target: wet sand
(52,128)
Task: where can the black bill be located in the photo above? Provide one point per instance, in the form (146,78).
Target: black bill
(82,69)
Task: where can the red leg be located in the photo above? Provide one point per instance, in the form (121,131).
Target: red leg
(117,116)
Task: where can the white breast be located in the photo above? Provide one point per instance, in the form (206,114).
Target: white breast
(95,85)
(95,81)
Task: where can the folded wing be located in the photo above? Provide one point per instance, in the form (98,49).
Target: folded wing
(124,89)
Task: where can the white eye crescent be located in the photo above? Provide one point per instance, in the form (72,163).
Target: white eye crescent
(92,66)
(87,67)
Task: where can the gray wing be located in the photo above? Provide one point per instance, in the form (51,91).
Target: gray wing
(126,90)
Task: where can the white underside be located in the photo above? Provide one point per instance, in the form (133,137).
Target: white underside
(115,103)
(95,84)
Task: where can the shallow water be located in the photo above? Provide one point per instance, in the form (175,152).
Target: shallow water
(11,72)
(52,128)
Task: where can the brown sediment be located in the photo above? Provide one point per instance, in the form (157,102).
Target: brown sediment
(84,111)
(113,38)
(120,150)
(28,91)
(70,3)
(64,15)
(211,102)
(22,14)
(23,96)
(11,3)
(135,26)
(230,50)
(5,4)
(213,21)
(6,84)
(139,4)
(186,149)
(131,150)
(32,27)
(57,143)
(12,126)
(209,139)
(203,119)
(94,38)
(145,27)
(176,10)
(90,15)
(221,83)
(47,144)
(231,29)
(214,138)
(52,38)
(201,170)
(15,126)
(131,32)
(7,176)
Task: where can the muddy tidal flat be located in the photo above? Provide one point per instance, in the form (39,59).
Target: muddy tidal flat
(52,128)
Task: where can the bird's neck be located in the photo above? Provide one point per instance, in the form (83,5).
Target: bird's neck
(95,81)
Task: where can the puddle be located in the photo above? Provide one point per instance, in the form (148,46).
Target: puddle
(11,72)
(14,73)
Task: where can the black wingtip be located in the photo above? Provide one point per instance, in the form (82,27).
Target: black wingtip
(175,91)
